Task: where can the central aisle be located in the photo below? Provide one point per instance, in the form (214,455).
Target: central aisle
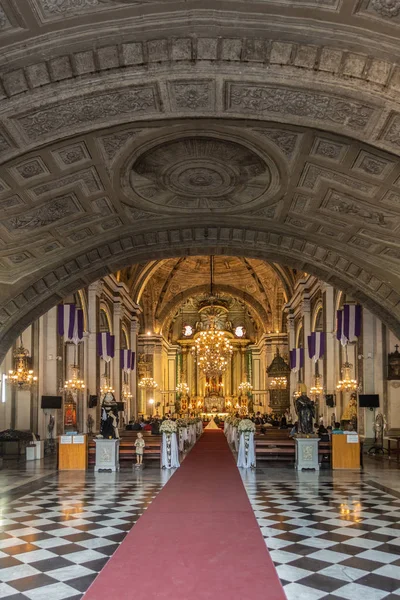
(198,540)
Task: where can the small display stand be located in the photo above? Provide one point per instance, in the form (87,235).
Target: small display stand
(307,453)
(107,455)
(345,451)
(72,453)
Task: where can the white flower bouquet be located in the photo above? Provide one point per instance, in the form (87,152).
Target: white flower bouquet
(182,423)
(168,427)
(235,421)
(246,425)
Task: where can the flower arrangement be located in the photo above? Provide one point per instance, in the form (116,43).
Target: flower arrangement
(235,422)
(246,425)
(168,427)
(182,423)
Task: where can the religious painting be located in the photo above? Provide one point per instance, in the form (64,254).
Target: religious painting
(394,364)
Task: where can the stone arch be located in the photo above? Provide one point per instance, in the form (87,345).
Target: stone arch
(258,311)
(35,298)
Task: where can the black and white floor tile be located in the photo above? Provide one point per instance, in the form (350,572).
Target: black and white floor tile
(55,540)
(330,540)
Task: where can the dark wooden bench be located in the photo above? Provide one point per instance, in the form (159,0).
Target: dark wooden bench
(285,449)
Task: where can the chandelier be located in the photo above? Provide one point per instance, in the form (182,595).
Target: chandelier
(212,349)
(183,389)
(147,383)
(126,394)
(317,388)
(347,384)
(21,375)
(278,383)
(74,383)
(245,387)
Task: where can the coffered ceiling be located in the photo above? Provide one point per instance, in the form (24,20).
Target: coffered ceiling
(132,131)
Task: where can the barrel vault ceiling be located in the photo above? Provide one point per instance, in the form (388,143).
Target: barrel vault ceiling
(136,130)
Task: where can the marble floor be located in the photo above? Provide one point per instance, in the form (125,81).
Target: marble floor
(331,535)
(57,530)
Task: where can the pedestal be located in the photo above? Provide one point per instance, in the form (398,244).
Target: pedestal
(107,455)
(39,449)
(307,453)
(30,453)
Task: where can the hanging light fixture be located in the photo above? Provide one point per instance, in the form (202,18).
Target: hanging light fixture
(147,383)
(183,389)
(278,383)
(21,375)
(126,393)
(317,389)
(74,383)
(245,387)
(347,384)
(212,348)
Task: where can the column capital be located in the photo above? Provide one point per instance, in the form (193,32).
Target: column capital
(96,287)
(135,326)
(118,308)
(306,305)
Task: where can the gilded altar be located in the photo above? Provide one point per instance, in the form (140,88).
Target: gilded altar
(214,404)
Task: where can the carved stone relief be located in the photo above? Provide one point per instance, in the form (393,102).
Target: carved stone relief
(87,110)
(53,10)
(285,140)
(88,180)
(47,214)
(327,108)
(30,169)
(201,172)
(71,155)
(192,95)
(386,8)
(313,176)
(345,205)
(112,144)
(329,149)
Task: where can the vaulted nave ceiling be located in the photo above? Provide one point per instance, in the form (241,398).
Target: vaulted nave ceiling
(132,131)
(162,287)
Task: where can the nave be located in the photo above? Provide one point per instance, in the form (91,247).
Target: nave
(330,535)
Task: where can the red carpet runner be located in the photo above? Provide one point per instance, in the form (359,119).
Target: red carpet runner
(198,540)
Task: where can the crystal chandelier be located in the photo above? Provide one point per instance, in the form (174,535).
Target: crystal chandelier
(74,383)
(317,388)
(278,383)
(183,389)
(106,388)
(147,383)
(245,387)
(126,394)
(347,384)
(212,349)
(21,375)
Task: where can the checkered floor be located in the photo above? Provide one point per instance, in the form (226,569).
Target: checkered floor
(330,540)
(55,540)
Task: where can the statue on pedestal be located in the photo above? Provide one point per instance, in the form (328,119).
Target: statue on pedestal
(305,409)
(109,418)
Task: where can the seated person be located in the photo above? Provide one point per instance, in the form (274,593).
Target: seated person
(323,434)
(136,426)
(337,428)
(155,427)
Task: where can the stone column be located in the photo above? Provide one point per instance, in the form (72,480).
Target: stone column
(133,408)
(372,345)
(329,361)
(93,376)
(116,363)
(308,364)
(293,376)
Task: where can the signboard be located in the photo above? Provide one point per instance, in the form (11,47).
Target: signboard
(65,439)
(352,439)
(79,439)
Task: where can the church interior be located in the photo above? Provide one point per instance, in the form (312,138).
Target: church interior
(200,299)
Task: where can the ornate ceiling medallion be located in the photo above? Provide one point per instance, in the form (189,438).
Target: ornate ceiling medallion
(386,8)
(203,173)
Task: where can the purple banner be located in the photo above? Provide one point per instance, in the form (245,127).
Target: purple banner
(127,360)
(106,345)
(348,327)
(296,359)
(70,322)
(316,345)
